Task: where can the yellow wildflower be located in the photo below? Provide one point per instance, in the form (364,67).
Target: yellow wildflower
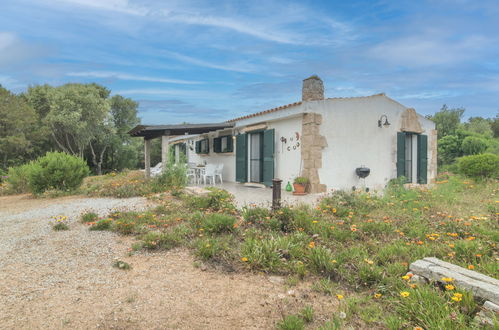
(405,294)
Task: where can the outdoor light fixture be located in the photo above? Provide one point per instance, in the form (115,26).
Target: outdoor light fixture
(380,121)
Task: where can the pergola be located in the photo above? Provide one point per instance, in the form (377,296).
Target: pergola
(149,132)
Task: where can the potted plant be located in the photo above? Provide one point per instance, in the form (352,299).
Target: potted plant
(300,185)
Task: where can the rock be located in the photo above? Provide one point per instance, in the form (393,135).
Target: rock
(480,285)
(292,292)
(418,279)
(203,268)
(491,306)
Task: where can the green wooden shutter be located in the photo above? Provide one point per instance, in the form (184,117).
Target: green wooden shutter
(198,147)
(230,144)
(268,157)
(422,159)
(242,158)
(400,154)
(217,144)
(207,146)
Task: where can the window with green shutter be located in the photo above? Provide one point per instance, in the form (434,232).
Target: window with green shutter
(223,144)
(203,146)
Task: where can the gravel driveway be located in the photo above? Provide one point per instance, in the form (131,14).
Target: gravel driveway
(63,280)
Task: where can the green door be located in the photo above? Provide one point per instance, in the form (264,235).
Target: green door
(422,159)
(268,157)
(242,158)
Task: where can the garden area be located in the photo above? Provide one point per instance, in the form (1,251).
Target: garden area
(354,247)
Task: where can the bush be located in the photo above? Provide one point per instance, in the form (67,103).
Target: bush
(18,178)
(174,177)
(479,166)
(57,170)
(89,217)
(473,145)
(219,223)
(104,224)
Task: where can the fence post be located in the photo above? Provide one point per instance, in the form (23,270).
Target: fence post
(276,194)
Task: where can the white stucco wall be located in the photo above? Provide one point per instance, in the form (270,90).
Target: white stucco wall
(354,139)
(287,156)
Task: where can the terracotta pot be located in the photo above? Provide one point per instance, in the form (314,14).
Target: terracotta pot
(299,189)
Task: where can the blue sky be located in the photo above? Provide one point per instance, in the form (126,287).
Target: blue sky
(203,61)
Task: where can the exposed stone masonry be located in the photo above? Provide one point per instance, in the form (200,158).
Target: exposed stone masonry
(313,89)
(312,144)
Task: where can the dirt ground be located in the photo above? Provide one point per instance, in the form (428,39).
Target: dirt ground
(59,280)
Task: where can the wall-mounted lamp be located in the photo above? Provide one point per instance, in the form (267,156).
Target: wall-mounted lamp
(380,121)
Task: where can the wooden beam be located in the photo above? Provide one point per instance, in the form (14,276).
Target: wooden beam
(147,157)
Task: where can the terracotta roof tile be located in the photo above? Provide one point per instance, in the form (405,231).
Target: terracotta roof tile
(282,107)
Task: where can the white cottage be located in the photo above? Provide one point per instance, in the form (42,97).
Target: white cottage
(323,139)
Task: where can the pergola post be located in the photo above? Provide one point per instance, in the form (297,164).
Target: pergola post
(147,157)
(164,151)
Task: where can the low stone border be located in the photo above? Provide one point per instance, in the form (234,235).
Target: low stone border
(482,286)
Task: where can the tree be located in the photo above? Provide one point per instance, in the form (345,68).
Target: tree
(447,120)
(449,148)
(480,126)
(17,127)
(75,116)
(124,114)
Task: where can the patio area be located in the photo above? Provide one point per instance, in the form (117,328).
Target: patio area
(246,195)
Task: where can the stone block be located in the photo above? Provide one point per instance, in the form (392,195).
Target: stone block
(309,118)
(318,162)
(305,153)
(318,118)
(307,141)
(480,285)
(308,163)
(306,130)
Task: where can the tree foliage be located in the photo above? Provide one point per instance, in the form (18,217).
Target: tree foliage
(78,119)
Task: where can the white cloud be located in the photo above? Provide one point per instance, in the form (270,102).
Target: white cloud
(272,23)
(427,50)
(126,76)
(236,67)
(13,50)
(192,94)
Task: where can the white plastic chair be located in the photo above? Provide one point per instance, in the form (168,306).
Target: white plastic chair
(218,172)
(209,172)
(192,174)
(156,170)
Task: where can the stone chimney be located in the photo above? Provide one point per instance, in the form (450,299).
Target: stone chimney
(313,89)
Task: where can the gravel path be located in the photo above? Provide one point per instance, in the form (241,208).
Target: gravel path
(63,280)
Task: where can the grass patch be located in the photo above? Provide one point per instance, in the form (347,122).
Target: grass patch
(354,244)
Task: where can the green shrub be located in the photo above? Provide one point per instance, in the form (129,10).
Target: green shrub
(104,224)
(307,314)
(89,217)
(156,240)
(291,322)
(57,170)
(18,178)
(218,200)
(174,176)
(218,223)
(301,180)
(479,166)
(473,145)
(60,226)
